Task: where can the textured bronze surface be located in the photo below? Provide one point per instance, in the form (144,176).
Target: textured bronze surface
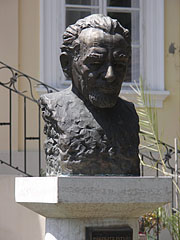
(90,130)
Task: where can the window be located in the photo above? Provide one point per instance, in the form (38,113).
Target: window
(144,19)
(125,11)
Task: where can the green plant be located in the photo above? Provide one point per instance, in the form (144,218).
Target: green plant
(166,219)
(148,125)
(172,223)
(150,142)
(152,222)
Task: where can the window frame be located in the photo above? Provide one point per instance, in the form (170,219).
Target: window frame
(152,51)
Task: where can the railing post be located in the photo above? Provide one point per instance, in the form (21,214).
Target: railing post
(25,134)
(176,172)
(39,119)
(172,172)
(176,178)
(10,127)
(142,167)
(157,227)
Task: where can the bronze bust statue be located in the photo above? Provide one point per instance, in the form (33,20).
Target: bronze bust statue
(90,129)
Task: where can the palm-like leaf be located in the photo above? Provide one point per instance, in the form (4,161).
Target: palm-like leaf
(150,141)
(148,123)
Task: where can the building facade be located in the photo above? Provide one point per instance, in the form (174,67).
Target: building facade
(30,40)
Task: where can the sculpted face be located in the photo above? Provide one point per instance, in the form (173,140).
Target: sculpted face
(100,68)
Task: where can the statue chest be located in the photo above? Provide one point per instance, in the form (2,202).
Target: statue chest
(84,134)
(83,140)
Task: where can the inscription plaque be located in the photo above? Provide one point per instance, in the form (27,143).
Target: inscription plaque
(109,233)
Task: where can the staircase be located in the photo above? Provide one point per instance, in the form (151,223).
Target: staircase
(24,87)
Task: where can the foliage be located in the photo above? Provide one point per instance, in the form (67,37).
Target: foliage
(152,222)
(171,222)
(148,125)
(150,142)
(166,219)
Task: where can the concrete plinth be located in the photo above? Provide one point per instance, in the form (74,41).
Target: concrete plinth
(71,204)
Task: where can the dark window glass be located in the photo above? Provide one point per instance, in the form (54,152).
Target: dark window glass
(82,2)
(119,3)
(73,15)
(123,3)
(123,18)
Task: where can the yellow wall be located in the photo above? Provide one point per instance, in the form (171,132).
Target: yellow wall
(8,54)
(29,61)
(9,32)
(169,115)
(19,48)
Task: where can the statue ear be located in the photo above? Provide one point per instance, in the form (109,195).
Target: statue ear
(65,63)
(64,60)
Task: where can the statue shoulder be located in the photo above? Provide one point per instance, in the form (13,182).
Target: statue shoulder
(129,108)
(132,120)
(126,103)
(49,102)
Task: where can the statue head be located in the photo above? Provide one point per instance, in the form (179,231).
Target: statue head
(95,54)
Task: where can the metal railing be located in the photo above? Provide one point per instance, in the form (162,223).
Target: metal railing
(28,94)
(169,153)
(170,156)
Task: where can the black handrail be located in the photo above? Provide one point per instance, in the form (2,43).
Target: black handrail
(28,95)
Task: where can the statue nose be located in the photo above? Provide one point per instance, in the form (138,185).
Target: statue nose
(110,77)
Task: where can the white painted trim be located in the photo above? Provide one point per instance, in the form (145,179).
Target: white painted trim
(48,42)
(153,43)
(121,9)
(41,40)
(61,24)
(102,6)
(157,97)
(74,6)
(141,36)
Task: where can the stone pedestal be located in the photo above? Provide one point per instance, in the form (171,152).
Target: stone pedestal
(71,205)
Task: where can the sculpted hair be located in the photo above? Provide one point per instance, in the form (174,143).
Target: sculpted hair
(70,46)
(99,21)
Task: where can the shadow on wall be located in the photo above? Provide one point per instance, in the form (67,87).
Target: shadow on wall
(17,222)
